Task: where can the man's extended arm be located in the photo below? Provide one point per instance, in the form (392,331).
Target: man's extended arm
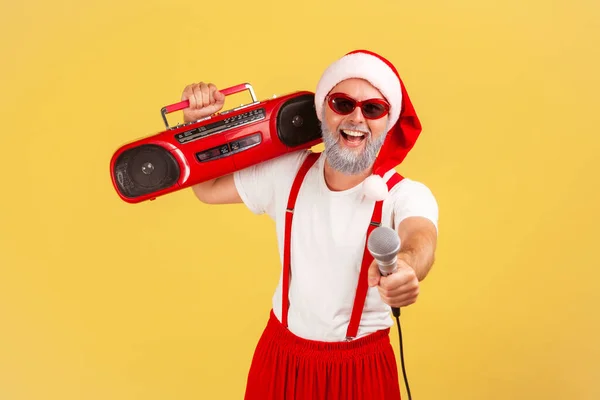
(418,241)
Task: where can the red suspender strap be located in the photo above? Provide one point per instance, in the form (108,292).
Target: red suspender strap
(289,213)
(363,284)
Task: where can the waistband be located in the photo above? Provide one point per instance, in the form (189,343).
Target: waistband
(282,337)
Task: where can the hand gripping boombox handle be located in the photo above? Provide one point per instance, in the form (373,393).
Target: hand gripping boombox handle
(186,103)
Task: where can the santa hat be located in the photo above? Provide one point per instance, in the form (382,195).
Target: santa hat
(403,127)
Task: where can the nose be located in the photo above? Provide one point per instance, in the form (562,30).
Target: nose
(356,116)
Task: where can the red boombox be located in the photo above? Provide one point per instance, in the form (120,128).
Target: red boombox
(187,154)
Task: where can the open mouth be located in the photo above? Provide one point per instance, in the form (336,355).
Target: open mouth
(353,137)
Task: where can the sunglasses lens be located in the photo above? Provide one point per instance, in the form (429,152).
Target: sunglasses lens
(342,105)
(373,110)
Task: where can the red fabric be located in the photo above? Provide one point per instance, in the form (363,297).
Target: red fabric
(363,279)
(286,367)
(363,282)
(402,137)
(394,179)
(308,162)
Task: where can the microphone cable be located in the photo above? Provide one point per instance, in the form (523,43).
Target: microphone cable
(396,313)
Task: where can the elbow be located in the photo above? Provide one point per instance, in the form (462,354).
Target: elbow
(202,193)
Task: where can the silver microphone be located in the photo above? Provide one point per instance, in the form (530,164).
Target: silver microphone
(384,245)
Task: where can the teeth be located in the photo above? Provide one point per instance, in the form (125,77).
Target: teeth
(353,133)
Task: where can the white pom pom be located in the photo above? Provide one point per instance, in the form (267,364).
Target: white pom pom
(375,188)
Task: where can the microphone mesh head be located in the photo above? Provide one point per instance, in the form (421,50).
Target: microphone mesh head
(384,243)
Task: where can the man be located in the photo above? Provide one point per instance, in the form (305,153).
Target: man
(328,332)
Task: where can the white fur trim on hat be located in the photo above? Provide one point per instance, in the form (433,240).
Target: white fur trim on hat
(363,66)
(375,188)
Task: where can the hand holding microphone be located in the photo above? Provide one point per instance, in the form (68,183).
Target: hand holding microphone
(398,283)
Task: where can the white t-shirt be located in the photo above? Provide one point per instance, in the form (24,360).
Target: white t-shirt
(328,240)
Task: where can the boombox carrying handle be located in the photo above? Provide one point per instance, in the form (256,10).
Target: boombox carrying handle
(186,103)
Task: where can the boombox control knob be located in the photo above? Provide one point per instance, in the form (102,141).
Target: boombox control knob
(297,121)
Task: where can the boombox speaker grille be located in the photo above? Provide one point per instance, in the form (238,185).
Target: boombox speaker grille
(297,121)
(145,169)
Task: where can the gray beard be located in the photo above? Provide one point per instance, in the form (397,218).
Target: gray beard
(345,160)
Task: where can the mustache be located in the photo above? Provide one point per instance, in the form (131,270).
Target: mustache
(355,127)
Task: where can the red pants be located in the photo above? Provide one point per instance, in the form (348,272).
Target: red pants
(286,367)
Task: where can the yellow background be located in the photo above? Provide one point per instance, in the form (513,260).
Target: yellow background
(100,299)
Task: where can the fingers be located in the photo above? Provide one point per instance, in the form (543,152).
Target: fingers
(373,274)
(204,100)
(188,94)
(400,288)
(399,278)
(401,300)
(219,97)
(215,96)
(394,291)
(201,95)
